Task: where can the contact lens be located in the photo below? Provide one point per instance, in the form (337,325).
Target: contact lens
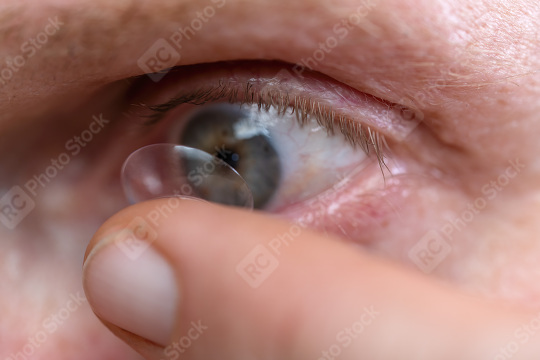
(240,136)
(168,170)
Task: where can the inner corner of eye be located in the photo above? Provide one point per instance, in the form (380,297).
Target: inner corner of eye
(282,161)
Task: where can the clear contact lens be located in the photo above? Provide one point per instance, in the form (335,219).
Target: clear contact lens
(166,170)
(240,137)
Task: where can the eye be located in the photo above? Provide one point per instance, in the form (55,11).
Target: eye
(282,161)
(291,138)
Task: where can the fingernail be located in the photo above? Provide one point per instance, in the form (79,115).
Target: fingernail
(138,294)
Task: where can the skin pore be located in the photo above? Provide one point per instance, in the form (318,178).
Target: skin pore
(470,67)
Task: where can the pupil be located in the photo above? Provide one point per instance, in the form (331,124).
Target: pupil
(225,131)
(230,157)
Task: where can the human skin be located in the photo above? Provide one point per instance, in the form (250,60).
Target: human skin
(471,69)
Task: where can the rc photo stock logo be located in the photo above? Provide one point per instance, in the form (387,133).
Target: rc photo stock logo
(435,246)
(136,238)
(36,342)
(257,266)
(164,54)
(28,49)
(262,260)
(19,201)
(430,251)
(14,206)
(158,60)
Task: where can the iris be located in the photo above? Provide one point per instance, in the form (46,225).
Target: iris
(233,135)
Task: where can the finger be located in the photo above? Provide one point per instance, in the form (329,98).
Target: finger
(212,282)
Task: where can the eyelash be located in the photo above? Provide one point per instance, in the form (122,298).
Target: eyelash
(355,134)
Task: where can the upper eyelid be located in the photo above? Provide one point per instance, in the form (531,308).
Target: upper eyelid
(313,88)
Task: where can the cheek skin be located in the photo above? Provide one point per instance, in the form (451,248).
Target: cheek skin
(486,255)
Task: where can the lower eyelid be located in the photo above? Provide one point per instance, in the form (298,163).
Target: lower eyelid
(359,206)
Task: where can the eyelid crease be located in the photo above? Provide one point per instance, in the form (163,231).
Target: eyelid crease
(304,108)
